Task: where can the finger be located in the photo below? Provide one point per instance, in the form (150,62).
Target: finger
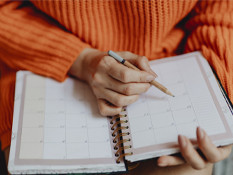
(108,82)
(190,154)
(127,88)
(211,152)
(164,161)
(127,75)
(114,98)
(143,64)
(140,61)
(107,109)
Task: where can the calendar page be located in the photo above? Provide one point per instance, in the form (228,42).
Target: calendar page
(156,119)
(59,127)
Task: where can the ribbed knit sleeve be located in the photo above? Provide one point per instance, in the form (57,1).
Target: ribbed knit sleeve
(32,41)
(7,88)
(211,31)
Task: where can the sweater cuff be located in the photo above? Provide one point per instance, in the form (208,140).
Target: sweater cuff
(64,57)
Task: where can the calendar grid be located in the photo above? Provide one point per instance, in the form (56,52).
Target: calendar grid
(59,123)
(172,116)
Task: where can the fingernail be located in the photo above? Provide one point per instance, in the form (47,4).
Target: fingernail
(149,78)
(182,141)
(201,133)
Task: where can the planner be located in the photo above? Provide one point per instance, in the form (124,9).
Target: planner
(57,127)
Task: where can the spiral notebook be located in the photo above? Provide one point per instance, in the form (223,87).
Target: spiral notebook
(57,127)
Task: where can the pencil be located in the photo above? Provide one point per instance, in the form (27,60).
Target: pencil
(128,64)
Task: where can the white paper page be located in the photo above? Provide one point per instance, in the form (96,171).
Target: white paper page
(156,119)
(60,125)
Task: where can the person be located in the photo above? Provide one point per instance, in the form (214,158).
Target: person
(61,38)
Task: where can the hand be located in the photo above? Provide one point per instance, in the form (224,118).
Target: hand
(211,154)
(113,84)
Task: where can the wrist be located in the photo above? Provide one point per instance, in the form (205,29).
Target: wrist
(82,66)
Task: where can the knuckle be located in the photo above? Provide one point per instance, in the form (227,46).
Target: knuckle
(119,102)
(126,53)
(124,76)
(107,62)
(142,59)
(118,110)
(112,71)
(103,111)
(96,80)
(128,90)
(115,111)
(95,90)
(142,78)
(123,101)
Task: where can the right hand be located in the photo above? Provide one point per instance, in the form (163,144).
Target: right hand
(113,84)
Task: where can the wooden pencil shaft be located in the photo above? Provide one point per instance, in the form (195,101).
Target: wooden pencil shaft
(128,64)
(158,85)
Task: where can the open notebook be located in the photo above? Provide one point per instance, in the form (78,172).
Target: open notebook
(57,127)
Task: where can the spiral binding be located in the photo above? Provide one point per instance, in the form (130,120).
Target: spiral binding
(118,131)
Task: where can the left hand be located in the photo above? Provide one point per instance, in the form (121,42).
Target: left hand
(212,154)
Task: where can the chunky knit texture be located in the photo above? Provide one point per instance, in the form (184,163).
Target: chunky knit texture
(46,37)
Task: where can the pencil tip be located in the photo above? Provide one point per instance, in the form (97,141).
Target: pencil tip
(169,93)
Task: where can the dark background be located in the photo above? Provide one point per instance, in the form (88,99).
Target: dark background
(2,163)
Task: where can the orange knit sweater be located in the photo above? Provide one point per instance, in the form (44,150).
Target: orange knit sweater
(46,37)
